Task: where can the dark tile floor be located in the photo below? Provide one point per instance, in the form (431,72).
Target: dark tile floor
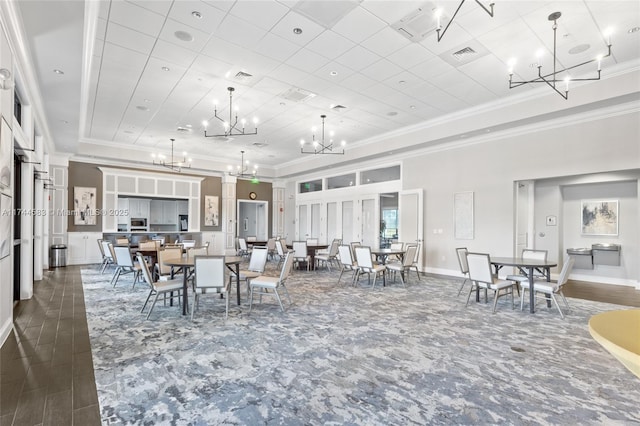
(46,365)
(46,368)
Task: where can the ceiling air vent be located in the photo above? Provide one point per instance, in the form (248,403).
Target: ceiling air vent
(259,144)
(417,25)
(242,76)
(339,108)
(296,94)
(464,55)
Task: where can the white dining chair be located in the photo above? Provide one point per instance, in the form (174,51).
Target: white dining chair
(209,278)
(482,278)
(550,289)
(263,285)
(366,265)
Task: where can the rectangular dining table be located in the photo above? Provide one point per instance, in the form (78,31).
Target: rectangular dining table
(187,263)
(526,266)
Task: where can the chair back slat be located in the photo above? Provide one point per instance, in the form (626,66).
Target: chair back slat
(462,259)
(566,271)
(123,256)
(479,267)
(279,248)
(107,251)
(188,243)
(333,250)
(407,260)
(312,241)
(148,245)
(146,274)
(286,267)
(363,254)
(396,246)
(345,255)
(169,253)
(534,254)
(197,251)
(209,272)
(258,259)
(300,249)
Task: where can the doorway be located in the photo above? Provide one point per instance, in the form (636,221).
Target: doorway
(388,219)
(253,219)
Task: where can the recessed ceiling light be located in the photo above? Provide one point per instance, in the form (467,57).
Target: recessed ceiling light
(142,108)
(196,14)
(333,73)
(579,49)
(412,106)
(297,31)
(64,121)
(165,68)
(401,82)
(282,104)
(634,30)
(392,113)
(57,71)
(183,35)
(129,132)
(148,101)
(188,126)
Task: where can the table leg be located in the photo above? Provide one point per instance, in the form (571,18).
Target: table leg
(185,299)
(548,297)
(532,297)
(238,282)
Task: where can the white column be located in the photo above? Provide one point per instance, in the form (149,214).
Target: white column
(278,225)
(229,213)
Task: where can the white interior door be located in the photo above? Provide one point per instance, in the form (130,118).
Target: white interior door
(332,222)
(524,209)
(370,222)
(303,223)
(316,222)
(347,222)
(411,219)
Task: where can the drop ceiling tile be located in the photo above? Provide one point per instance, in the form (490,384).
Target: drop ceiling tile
(209,65)
(359,25)
(341,72)
(130,61)
(381,70)
(172,27)
(404,82)
(385,42)
(455,38)
(242,59)
(157,6)
(276,47)
(224,5)
(262,14)
(174,54)
(391,11)
(284,28)
(431,68)
(410,56)
(330,45)
(358,58)
(271,86)
(288,74)
(210,17)
(358,82)
(307,60)
(129,39)
(136,18)
(240,32)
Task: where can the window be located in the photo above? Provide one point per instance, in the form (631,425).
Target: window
(311,186)
(17,108)
(390,220)
(343,181)
(380,175)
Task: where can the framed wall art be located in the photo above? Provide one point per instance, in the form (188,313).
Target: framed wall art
(210,210)
(84,206)
(463,215)
(599,217)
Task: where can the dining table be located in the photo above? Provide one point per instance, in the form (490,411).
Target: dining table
(527,267)
(311,251)
(186,263)
(382,254)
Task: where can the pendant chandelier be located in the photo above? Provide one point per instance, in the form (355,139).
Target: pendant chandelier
(321,146)
(243,169)
(175,164)
(552,79)
(438,14)
(231,127)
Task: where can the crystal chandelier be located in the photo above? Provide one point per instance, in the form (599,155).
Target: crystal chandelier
(552,78)
(242,170)
(438,14)
(321,146)
(231,127)
(174,165)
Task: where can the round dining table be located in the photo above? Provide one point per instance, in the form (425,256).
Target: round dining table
(185,264)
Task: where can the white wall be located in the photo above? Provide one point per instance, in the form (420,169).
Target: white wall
(490,168)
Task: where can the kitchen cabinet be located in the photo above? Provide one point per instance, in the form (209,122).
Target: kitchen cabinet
(183,207)
(163,212)
(83,248)
(139,208)
(123,205)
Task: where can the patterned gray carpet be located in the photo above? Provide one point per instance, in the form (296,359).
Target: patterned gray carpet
(349,355)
